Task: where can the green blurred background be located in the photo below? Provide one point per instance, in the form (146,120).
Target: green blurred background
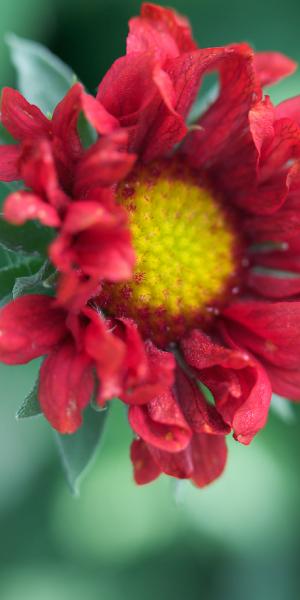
(237,539)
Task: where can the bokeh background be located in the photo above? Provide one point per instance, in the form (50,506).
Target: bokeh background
(237,539)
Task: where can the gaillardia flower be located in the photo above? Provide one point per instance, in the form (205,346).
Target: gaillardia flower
(169,241)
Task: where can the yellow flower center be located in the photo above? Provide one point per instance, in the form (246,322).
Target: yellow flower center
(185,249)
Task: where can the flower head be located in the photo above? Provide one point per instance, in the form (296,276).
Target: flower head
(164,233)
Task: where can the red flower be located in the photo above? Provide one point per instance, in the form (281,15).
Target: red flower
(166,230)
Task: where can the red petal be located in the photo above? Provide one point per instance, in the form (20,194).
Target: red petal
(108,353)
(290,109)
(209,455)
(66,386)
(272,285)
(271,330)
(20,207)
(201,416)
(102,250)
(161,423)
(223,125)
(273,66)
(65,118)
(285,382)
(98,116)
(9,159)
(175,464)
(239,384)
(37,168)
(29,327)
(160,30)
(160,377)
(103,164)
(21,119)
(145,468)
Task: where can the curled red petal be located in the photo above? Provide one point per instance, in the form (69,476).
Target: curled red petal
(29,327)
(161,423)
(22,119)
(65,388)
(23,206)
(9,163)
(273,66)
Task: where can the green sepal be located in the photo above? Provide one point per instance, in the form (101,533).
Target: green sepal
(14,266)
(30,406)
(41,282)
(78,449)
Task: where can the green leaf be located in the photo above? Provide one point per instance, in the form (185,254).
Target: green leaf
(42,77)
(41,282)
(30,238)
(13,266)
(30,406)
(77,450)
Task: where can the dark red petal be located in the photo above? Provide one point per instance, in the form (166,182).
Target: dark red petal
(271,330)
(273,66)
(21,119)
(161,423)
(22,206)
(9,168)
(66,386)
(209,455)
(145,468)
(29,327)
